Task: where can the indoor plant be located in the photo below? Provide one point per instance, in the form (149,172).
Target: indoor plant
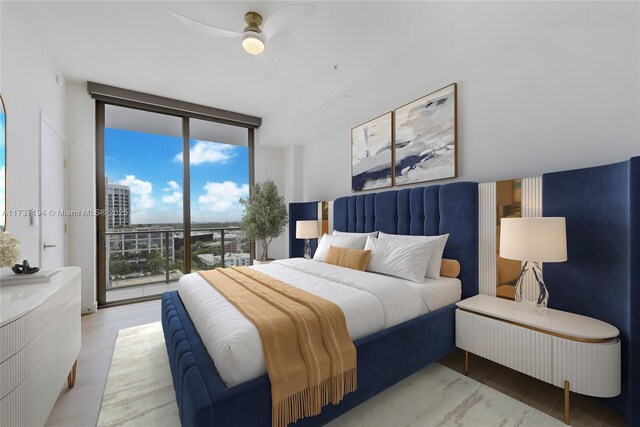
(9,249)
(265,215)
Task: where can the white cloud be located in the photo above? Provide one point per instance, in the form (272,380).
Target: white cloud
(140,192)
(208,152)
(172,185)
(176,193)
(222,199)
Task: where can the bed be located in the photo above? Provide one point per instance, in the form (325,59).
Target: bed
(390,346)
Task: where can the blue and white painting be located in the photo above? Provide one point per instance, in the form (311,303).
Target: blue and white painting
(371,151)
(425,138)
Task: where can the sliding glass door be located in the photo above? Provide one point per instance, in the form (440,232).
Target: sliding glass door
(219,178)
(170,188)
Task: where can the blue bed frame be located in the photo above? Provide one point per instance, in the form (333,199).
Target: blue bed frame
(384,358)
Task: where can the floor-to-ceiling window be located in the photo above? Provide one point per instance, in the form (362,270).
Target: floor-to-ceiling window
(143,182)
(219,178)
(163,215)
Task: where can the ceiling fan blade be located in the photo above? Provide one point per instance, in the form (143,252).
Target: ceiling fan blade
(266,64)
(204,28)
(284,17)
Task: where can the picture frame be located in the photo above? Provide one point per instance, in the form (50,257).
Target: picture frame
(372,154)
(425,138)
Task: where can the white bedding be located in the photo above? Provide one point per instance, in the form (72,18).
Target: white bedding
(370,302)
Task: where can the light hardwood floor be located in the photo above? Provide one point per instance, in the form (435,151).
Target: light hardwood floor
(80,406)
(585,411)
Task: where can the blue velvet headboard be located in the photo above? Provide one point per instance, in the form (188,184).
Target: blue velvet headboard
(437,209)
(601,277)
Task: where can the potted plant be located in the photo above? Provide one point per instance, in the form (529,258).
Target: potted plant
(265,215)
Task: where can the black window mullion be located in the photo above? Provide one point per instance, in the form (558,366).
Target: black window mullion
(186,194)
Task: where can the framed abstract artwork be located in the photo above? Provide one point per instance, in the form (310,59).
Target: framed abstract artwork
(425,138)
(372,154)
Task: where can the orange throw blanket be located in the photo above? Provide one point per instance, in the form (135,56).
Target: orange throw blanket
(310,357)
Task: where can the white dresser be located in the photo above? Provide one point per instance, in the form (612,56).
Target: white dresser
(39,345)
(568,350)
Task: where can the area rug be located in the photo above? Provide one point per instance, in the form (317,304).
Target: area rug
(139,389)
(139,392)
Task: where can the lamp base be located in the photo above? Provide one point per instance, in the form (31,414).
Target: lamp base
(539,305)
(307,249)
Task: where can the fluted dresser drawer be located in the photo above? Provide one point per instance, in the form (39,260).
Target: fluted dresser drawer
(39,343)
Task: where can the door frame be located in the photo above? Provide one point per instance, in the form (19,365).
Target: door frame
(45,121)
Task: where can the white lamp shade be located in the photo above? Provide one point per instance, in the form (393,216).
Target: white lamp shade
(307,229)
(542,239)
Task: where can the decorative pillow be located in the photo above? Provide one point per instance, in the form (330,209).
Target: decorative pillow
(450,268)
(349,258)
(400,258)
(344,233)
(350,242)
(433,271)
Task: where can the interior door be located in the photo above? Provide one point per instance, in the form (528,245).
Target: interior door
(53,197)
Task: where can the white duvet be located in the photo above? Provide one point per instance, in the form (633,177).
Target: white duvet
(371,302)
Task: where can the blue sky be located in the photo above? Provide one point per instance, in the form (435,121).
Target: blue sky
(151,165)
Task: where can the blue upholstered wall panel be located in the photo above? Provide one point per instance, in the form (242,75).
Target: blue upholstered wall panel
(437,209)
(600,278)
(459,218)
(634,291)
(299,212)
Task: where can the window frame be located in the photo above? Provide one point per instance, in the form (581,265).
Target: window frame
(108,95)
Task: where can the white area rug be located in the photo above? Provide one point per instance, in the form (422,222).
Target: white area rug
(139,392)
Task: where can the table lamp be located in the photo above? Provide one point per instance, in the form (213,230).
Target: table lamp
(307,230)
(533,240)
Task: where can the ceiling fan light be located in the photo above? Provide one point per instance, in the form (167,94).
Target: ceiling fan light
(252,43)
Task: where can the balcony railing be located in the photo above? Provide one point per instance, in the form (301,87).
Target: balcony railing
(153,256)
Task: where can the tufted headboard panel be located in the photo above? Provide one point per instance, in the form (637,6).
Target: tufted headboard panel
(427,211)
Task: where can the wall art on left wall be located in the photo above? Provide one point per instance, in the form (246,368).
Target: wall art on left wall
(372,154)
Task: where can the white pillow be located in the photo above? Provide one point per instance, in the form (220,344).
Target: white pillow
(408,260)
(346,241)
(433,270)
(344,233)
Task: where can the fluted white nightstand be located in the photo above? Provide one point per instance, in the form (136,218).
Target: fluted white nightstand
(567,350)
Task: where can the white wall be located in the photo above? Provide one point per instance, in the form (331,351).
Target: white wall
(81,162)
(270,164)
(542,87)
(28,87)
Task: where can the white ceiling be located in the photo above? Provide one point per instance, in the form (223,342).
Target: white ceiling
(140,46)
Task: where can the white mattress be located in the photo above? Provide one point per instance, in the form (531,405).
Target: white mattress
(370,302)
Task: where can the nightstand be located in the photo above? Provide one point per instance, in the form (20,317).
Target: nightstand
(567,350)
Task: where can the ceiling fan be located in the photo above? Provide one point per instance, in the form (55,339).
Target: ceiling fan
(255,35)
